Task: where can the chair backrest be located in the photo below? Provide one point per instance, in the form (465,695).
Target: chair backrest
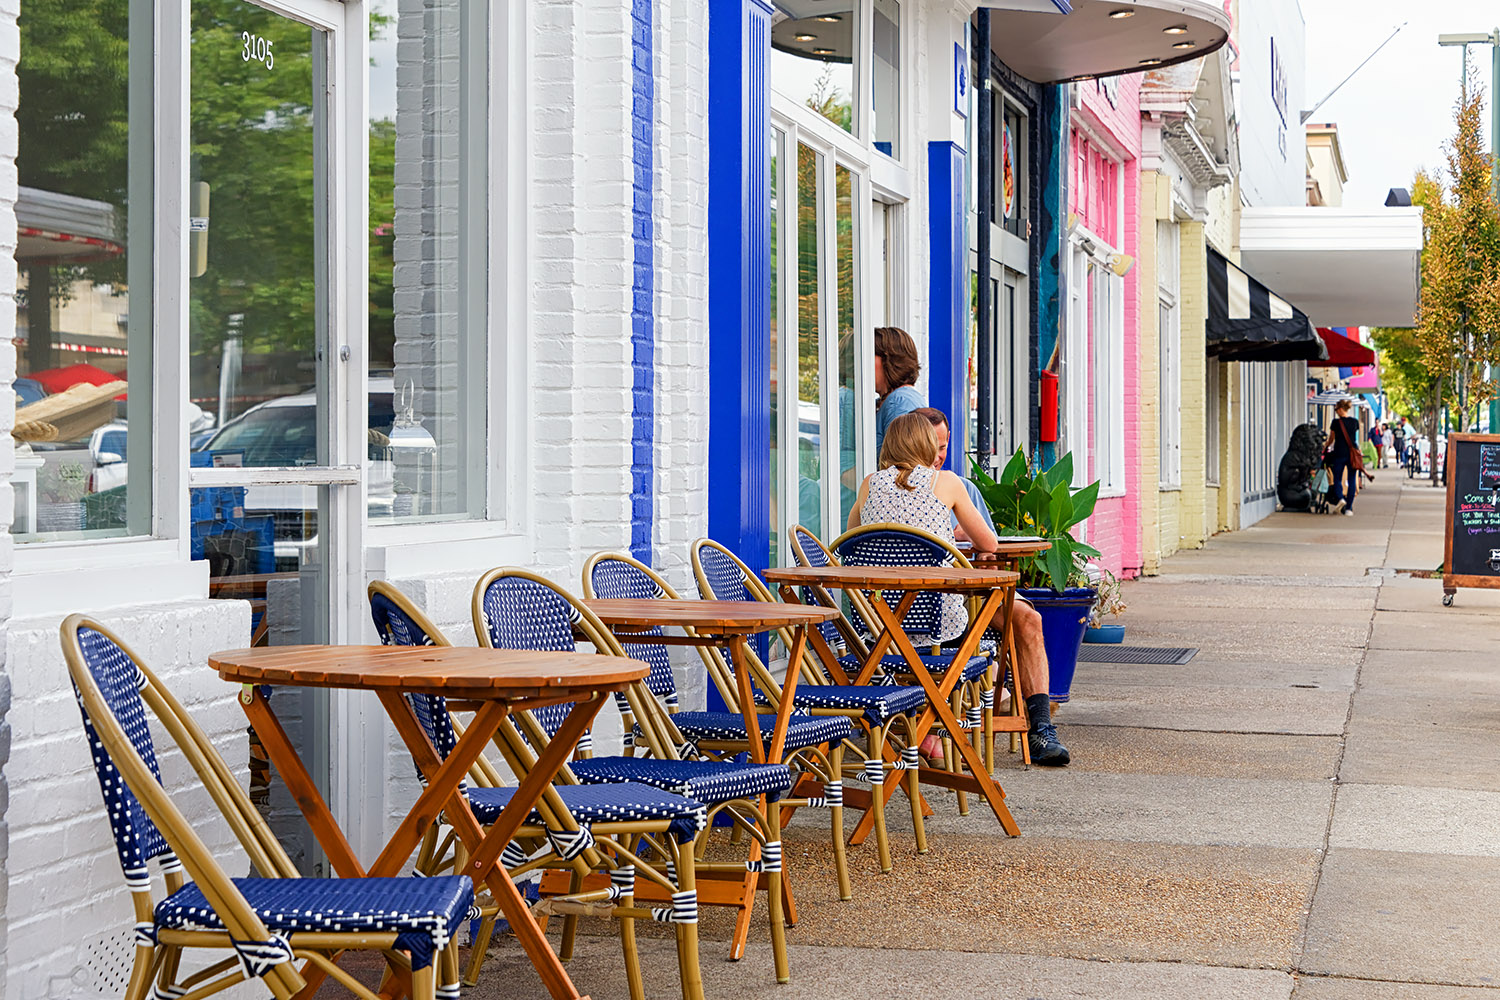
(517,609)
(114,689)
(808,549)
(399,622)
(891,544)
(616,576)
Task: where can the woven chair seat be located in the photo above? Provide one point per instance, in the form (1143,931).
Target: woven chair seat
(622,802)
(706,781)
(879,704)
(424,912)
(896,663)
(803,731)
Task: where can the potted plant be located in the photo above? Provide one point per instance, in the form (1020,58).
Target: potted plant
(1042,503)
(1109,602)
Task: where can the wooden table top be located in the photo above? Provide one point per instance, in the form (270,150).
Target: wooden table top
(948,578)
(1011,547)
(718,616)
(453,670)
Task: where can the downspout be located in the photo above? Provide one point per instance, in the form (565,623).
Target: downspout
(984,300)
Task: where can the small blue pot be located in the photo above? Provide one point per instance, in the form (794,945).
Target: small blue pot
(1105,633)
(1065,615)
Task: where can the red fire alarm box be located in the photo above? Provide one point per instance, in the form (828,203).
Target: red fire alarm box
(1048,421)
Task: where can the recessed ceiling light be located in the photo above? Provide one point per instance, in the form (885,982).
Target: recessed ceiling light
(830,18)
(1176,29)
(806,38)
(1150,62)
(1185,45)
(822,52)
(1117,14)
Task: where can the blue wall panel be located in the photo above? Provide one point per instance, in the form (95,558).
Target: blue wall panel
(643,285)
(739,276)
(948,320)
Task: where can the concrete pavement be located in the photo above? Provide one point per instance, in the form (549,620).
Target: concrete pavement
(1310,809)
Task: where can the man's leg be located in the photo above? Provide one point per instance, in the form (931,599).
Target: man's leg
(1046,748)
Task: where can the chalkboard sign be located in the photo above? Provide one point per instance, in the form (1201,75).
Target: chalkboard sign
(1471,554)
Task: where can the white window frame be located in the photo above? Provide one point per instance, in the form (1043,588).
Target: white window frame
(1169,349)
(1108,316)
(1073,366)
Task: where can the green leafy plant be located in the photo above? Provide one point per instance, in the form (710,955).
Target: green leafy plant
(1109,599)
(1042,502)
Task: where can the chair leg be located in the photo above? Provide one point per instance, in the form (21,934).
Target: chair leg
(914,793)
(987,725)
(570,921)
(633,979)
(774,912)
(448,966)
(836,814)
(479,947)
(143,972)
(424,983)
(955,702)
(687,934)
(877,805)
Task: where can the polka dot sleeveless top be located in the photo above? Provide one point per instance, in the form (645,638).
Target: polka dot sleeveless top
(920,508)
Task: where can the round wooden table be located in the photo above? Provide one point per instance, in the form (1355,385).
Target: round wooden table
(498,682)
(998,589)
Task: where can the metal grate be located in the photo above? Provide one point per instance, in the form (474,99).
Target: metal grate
(1105,653)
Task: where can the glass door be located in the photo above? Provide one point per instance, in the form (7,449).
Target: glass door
(274,354)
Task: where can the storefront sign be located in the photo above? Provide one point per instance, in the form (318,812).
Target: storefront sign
(960,80)
(1007,173)
(257,49)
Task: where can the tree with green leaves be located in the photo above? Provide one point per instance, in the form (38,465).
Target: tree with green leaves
(1458,321)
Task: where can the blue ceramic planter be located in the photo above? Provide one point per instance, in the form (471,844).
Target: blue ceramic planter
(1105,633)
(1065,615)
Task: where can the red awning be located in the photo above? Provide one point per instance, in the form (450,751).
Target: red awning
(1344,352)
(58,379)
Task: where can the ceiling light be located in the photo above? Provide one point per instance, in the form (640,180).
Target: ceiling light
(1176,29)
(822,52)
(1117,14)
(1150,62)
(806,38)
(1185,45)
(830,18)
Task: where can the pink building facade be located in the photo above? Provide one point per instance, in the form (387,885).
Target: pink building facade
(1099,362)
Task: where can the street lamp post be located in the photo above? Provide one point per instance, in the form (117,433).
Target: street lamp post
(1492,39)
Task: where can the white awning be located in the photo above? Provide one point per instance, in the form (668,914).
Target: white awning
(1102,37)
(1341,266)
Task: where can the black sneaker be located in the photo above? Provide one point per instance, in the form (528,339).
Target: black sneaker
(1046,749)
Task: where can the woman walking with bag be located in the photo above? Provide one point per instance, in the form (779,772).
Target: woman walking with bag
(1344,458)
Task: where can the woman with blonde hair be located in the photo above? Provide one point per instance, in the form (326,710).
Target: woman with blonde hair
(908,489)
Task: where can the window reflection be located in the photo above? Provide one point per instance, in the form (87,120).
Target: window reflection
(886,80)
(84,161)
(813,55)
(809,324)
(844,263)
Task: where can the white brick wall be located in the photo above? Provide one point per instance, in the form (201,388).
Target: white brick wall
(71,906)
(9,46)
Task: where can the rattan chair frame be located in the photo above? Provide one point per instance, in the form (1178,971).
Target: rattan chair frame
(159,961)
(763,825)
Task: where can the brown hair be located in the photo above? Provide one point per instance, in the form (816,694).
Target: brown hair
(935,416)
(1342,406)
(898,356)
(909,442)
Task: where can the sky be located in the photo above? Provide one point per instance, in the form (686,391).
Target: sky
(1396,113)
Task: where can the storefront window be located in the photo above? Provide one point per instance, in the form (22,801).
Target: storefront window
(843,220)
(428,257)
(809,340)
(85,164)
(1010,169)
(886,81)
(813,53)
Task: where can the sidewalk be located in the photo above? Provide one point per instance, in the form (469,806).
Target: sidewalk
(1308,809)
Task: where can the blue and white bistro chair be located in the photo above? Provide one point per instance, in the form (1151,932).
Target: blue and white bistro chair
(613,575)
(880,710)
(579,828)
(268,923)
(517,609)
(890,544)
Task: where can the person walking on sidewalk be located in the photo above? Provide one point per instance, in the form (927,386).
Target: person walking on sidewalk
(1377,438)
(1344,458)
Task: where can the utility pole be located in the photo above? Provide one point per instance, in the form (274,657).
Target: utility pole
(1492,39)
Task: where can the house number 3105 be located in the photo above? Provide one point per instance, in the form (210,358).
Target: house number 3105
(257,49)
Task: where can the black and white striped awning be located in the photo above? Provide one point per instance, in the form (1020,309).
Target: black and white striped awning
(1249,322)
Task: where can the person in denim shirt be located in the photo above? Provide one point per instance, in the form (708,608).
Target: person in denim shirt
(896,369)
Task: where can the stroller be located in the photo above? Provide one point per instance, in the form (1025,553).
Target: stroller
(1301,481)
